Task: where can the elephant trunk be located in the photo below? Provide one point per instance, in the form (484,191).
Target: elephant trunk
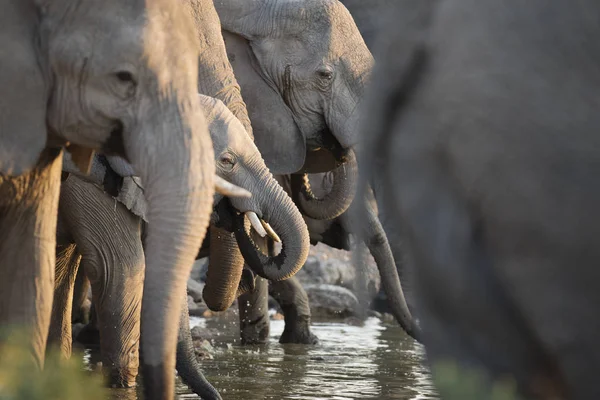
(374,236)
(178,174)
(225,262)
(188,367)
(280,212)
(334,203)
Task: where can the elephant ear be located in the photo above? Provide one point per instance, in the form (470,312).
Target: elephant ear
(276,134)
(23,133)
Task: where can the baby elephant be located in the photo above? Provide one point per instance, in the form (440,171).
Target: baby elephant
(104,236)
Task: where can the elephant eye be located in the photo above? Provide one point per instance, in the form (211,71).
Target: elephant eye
(227,161)
(127,84)
(125,76)
(325,74)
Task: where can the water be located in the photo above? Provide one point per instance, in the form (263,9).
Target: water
(373,361)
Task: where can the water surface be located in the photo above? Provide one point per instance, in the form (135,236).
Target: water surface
(374,361)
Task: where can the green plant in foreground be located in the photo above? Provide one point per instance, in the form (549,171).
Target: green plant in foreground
(21,379)
(454,382)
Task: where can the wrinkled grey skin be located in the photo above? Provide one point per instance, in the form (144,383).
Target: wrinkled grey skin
(490,110)
(239,161)
(302,67)
(89,220)
(128,88)
(335,233)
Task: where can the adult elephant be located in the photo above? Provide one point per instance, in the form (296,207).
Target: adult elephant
(370,17)
(113,259)
(126,85)
(491,114)
(303,68)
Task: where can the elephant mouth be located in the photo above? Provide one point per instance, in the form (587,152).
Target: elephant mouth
(261,226)
(324,153)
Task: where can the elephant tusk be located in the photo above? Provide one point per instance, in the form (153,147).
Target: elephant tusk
(255,221)
(270,231)
(229,189)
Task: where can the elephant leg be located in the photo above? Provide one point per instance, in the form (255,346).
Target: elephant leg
(254,313)
(187,364)
(109,238)
(80,293)
(294,302)
(28,215)
(67,264)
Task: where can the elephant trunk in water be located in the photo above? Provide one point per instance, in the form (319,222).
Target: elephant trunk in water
(179,202)
(188,367)
(280,212)
(371,231)
(334,203)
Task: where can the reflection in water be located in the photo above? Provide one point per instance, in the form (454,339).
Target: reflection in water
(374,361)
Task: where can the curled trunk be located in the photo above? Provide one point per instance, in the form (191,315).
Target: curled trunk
(371,231)
(278,209)
(336,201)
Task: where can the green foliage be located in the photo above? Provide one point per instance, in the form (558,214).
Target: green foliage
(21,379)
(454,382)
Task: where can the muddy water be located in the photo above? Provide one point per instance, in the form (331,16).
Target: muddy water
(373,361)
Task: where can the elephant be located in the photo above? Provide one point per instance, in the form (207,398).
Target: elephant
(302,67)
(112,256)
(82,77)
(369,17)
(483,120)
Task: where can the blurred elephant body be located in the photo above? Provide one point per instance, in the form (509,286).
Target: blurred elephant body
(484,123)
(78,76)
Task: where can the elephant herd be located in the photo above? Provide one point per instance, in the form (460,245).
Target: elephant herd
(138,136)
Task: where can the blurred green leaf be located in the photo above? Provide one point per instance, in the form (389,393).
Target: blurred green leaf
(454,382)
(21,379)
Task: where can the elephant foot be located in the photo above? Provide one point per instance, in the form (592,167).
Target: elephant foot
(254,332)
(298,332)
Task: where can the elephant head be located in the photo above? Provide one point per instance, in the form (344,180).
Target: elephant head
(269,210)
(302,67)
(120,77)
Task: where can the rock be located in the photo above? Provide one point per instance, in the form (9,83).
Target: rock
(199,270)
(195,309)
(203,349)
(331,301)
(277,317)
(197,333)
(194,289)
(326,265)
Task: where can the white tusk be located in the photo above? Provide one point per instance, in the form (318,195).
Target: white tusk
(229,189)
(270,231)
(255,221)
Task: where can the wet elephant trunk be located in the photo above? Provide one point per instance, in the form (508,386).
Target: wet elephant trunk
(334,203)
(371,230)
(178,172)
(277,209)
(188,367)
